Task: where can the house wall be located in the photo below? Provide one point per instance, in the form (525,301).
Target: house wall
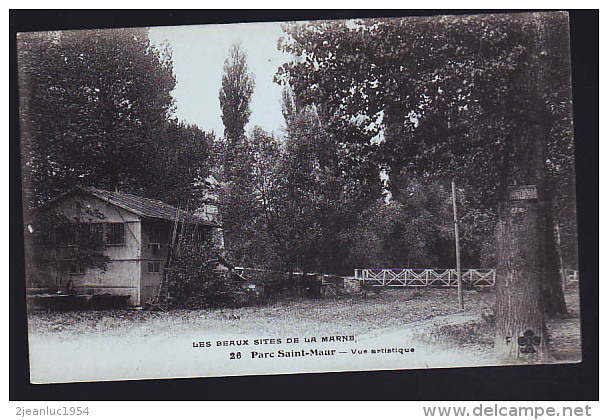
(155,249)
(155,252)
(135,268)
(120,278)
(123,272)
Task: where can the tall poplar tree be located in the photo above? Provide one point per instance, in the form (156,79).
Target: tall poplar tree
(235,98)
(237,197)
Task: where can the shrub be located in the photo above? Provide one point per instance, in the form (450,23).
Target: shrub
(195,279)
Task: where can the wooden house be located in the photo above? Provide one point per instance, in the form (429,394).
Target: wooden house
(135,235)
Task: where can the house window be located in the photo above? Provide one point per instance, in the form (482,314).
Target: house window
(153,266)
(66,235)
(96,233)
(115,234)
(80,234)
(77,268)
(46,234)
(155,236)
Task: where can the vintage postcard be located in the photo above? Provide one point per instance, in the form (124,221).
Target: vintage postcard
(288,197)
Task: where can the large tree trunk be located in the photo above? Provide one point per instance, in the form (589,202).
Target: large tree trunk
(522,268)
(521,232)
(520,325)
(522,243)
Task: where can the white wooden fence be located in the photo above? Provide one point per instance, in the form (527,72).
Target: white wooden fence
(420,277)
(423,277)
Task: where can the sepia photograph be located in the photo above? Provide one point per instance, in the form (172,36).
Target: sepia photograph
(305,196)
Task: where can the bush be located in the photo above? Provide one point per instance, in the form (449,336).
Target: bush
(196,280)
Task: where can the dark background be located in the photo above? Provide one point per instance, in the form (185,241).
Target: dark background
(548,382)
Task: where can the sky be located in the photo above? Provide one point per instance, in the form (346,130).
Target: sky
(199,52)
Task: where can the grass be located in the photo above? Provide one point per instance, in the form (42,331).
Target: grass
(391,308)
(478,336)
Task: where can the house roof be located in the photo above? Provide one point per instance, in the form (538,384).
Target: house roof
(145,207)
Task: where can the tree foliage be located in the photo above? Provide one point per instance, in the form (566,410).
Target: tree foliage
(92,102)
(422,93)
(434,95)
(246,198)
(181,155)
(194,279)
(235,96)
(96,111)
(417,230)
(237,202)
